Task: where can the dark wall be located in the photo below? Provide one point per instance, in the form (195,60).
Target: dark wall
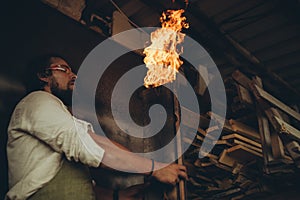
(30,28)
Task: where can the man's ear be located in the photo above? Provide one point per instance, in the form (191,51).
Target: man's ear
(43,77)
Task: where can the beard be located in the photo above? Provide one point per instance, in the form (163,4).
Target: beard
(65,95)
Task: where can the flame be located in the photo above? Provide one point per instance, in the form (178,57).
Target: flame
(162,56)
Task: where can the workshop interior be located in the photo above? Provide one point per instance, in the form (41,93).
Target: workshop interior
(250,48)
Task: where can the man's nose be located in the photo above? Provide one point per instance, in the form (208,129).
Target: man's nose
(73,75)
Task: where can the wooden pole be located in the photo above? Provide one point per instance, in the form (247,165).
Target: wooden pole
(181,183)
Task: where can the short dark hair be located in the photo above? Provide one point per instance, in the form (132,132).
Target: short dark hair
(37,66)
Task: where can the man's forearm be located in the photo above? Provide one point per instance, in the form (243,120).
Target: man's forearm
(120,158)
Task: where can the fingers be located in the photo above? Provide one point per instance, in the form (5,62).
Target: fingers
(182,168)
(179,173)
(171,174)
(182,171)
(174,181)
(183,174)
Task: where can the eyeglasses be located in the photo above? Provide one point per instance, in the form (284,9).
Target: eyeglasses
(64,68)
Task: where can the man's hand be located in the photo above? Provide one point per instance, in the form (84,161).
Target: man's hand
(170,174)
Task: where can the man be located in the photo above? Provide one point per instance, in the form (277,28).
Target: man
(49,149)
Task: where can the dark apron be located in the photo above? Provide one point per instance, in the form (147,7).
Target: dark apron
(72,182)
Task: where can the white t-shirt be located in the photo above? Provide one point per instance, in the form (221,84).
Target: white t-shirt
(40,133)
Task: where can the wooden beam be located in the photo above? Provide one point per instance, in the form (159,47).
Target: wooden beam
(194,118)
(219,119)
(241,79)
(265,136)
(242,153)
(244,130)
(249,146)
(244,95)
(264,131)
(293,148)
(277,103)
(241,138)
(276,142)
(226,159)
(287,129)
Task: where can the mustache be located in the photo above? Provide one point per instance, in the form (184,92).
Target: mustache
(72,81)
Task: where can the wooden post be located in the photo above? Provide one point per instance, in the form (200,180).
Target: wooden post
(181,183)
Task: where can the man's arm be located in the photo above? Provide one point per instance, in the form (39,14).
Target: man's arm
(124,160)
(43,116)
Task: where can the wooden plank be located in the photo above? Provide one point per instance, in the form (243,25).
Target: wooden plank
(223,142)
(211,129)
(244,95)
(194,183)
(226,159)
(189,141)
(281,169)
(285,117)
(236,156)
(241,79)
(242,138)
(264,130)
(294,150)
(276,142)
(201,131)
(194,118)
(219,119)
(282,142)
(72,9)
(212,156)
(278,148)
(271,143)
(204,133)
(193,170)
(204,178)
(244,130)
(221,166)
(198,163)
(242,153)
(270,113)
(199,138)
(287,129)
(277,103)
(258,81)
(202,78)
(224,194)
(265,136)
(238,142)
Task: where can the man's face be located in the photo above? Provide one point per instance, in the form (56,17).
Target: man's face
(62,80)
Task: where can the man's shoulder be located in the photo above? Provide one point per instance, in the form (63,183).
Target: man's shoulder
(39,95)
(39,98)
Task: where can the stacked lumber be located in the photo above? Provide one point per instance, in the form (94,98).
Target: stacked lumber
(259,141)
(230,170)
(277,123)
